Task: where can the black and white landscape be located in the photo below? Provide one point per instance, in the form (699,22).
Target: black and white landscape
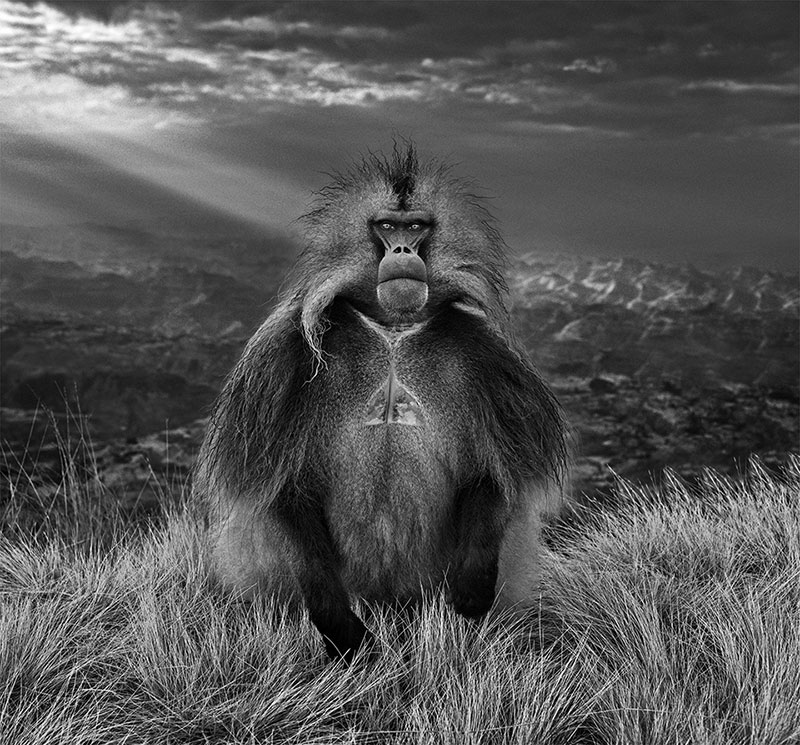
(641,160)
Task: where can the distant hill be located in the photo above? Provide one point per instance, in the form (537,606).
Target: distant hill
(649,320)
(641,286)
(249,255)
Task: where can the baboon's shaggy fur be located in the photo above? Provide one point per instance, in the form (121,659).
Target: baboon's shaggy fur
(306,498)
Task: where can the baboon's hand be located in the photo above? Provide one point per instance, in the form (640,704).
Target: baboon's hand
(472,590)
(344,638)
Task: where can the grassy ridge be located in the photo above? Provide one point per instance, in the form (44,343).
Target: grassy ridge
(673,618)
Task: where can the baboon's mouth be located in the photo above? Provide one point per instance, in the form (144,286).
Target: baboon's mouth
(404,282)
(403,294)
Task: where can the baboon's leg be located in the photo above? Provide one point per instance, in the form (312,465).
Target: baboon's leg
(480,519)
(318,578)
(518,571)
(248,555)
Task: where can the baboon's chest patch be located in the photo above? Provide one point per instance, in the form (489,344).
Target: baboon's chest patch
(392,403)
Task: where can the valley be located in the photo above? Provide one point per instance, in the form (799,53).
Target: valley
(126,337)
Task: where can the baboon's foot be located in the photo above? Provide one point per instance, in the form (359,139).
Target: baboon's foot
(344,636)
(472,590)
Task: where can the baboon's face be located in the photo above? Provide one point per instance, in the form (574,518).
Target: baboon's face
(400,239)
(400,245)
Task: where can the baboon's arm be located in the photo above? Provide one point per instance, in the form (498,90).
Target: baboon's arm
(480,522)
(316,572)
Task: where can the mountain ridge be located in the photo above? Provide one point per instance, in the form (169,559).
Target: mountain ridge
(640,285)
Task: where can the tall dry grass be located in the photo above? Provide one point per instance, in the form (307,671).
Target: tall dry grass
(672,618)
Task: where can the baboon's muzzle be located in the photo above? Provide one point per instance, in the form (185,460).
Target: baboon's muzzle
(402,281)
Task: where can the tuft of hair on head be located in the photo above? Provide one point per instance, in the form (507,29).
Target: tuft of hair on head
(402,172)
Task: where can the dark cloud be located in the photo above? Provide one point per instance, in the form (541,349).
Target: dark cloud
(682,67)
(444,29)
(649,128)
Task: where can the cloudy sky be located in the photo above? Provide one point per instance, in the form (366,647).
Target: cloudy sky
(657,130)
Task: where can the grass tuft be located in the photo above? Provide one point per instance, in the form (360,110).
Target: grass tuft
(672,617)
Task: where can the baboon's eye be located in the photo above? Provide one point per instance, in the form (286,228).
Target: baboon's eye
(387,226)
(414,226)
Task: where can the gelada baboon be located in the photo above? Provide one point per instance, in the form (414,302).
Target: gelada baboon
(382,431)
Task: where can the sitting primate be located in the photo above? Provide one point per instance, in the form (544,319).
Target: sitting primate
(383,432)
